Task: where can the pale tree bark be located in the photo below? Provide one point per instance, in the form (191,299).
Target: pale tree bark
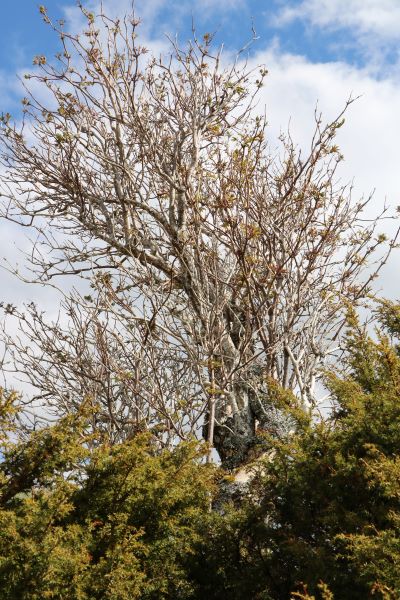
(215,267)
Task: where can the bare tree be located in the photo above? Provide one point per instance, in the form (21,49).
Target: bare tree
(215,266)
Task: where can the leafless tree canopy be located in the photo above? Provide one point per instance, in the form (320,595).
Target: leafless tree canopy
(214,267)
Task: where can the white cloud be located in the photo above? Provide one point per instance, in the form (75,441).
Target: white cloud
(372,24)
(378,17)
(369,139)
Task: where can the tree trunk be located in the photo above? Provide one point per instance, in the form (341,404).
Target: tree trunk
(234,436)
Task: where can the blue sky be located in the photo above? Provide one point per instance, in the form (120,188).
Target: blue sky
(23,34)
(361,33)
(316,51)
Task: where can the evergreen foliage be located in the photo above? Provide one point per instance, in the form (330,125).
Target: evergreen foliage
(326,508)
(320,520)
(110,523)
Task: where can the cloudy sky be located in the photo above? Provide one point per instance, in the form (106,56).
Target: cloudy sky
(318,52)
